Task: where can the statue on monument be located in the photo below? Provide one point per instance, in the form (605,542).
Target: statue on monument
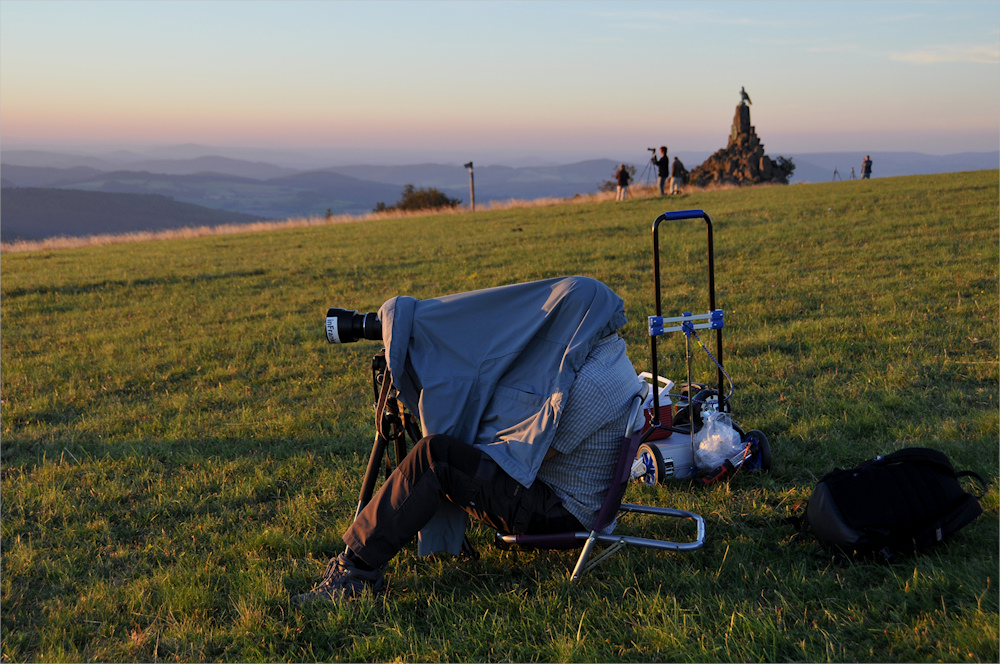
(743,160)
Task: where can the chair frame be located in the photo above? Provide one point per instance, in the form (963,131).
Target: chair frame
(613,506)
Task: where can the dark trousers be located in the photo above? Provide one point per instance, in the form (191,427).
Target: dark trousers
(443,469)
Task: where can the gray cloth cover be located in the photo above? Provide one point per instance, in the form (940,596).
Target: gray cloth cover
(494,367)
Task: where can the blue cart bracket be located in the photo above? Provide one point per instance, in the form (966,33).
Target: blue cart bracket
(716,321)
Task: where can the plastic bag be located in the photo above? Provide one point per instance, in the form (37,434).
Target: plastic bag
(716,441)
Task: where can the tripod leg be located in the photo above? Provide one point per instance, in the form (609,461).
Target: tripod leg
(371,474)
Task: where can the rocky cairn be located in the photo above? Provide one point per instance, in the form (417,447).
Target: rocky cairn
(742,161)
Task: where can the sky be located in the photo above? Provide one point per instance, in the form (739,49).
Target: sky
(408,81)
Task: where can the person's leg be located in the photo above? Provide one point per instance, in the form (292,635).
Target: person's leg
(503,503)
(439,468)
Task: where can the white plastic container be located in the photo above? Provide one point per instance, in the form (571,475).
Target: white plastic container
(666,406)
(663,456)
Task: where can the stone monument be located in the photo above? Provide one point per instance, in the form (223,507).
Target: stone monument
(742,161)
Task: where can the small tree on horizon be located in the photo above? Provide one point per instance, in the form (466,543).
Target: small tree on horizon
(419,199)
(785,166)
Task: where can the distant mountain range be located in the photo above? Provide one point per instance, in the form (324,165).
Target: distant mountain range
(345,190)
(36,214)
(296,195)
(253,190)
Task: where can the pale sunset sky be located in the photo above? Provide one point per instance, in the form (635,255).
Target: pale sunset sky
(415,81)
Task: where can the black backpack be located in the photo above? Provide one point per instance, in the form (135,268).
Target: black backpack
(891,505)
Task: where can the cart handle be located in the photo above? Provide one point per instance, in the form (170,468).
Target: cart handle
(680,215)
(677,215)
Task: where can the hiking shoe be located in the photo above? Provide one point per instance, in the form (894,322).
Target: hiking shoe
(342,580)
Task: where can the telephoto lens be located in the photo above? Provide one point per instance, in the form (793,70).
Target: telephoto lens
(344,326)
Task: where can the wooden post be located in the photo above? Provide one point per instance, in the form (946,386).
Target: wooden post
(472,188)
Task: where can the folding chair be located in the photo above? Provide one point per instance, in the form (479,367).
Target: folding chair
(613,506)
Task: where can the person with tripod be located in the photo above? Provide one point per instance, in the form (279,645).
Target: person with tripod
(662,168)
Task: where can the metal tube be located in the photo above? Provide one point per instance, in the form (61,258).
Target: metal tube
(665,545)
(687,349)
(581,562)
(711,306)
(655,422)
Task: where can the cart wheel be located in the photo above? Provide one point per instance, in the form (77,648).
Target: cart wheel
(685,389)
(652,458)
(760,451)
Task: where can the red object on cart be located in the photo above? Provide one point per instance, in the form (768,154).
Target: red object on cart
(666,409)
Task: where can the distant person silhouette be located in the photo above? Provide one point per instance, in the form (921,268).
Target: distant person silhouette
(662,168)
(623,178)
(677,176)
(866,168)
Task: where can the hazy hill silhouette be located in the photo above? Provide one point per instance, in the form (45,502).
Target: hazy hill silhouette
(297,195)
(45,176)
(264,190)
(493,182)
(37,213)
(48,159)
(223,165)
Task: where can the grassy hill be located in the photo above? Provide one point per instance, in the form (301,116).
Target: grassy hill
(182,449)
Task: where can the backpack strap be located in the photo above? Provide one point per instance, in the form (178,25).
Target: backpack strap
(921,455)
(982,485)
(936,459)
(918,455)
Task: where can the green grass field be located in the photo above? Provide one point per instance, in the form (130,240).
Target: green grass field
(181,448)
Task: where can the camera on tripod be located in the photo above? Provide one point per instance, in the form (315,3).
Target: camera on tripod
(344,326)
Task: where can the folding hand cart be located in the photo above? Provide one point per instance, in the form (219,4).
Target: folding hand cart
(661,454)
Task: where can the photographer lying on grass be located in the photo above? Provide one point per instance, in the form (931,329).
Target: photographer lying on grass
(523,393)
